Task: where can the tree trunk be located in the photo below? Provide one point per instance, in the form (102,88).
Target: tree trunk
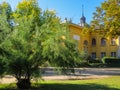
(23,84)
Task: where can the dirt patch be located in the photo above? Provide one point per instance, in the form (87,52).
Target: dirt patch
(7,79)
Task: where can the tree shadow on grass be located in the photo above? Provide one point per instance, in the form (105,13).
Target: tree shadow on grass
(76,87)
(68,87)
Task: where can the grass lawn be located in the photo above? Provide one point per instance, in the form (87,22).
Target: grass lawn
(111,83)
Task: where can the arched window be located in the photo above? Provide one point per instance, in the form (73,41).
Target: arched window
(93,42)
(85,42)
(113,41)
(85,46)
(103,41)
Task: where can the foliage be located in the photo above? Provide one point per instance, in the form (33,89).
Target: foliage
(84,56)
(36,37)
(5,30)
(22,47)
(28,9)
(24,51)
(104,59)
(5,17)
(5,8)
(111,61)
(86,29)
(107,17)
(57,46)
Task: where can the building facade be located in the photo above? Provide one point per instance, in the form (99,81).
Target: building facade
(94,43)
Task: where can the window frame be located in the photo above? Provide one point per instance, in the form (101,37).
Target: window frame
(113,54)
(102,54)
(103,41)
(93,42)
(85,42)
(113,41)
(93,55)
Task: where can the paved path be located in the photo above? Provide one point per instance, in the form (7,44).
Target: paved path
(85,71)
(80,73)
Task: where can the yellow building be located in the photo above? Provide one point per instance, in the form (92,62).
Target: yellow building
(94,43)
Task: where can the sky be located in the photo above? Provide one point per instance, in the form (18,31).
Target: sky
(66,8)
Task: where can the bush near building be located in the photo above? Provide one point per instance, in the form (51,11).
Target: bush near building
(111,61)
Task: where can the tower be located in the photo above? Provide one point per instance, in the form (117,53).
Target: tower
(82,19)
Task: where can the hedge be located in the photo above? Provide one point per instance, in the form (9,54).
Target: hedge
(111,60)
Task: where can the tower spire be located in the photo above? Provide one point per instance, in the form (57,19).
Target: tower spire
(82,19)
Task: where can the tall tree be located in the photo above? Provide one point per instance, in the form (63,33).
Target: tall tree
(58,47)
(37,37)
(107,17)
(24,53)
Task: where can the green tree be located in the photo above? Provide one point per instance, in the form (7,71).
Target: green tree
(24,53)
(32,43)
(21,50)
(107,17)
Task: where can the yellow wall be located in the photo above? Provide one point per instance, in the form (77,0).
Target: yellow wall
(76,31)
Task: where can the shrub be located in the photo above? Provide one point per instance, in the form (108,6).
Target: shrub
(94,61)
(110,60)
(84,64)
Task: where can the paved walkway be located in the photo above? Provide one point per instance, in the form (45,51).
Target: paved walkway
(80,73)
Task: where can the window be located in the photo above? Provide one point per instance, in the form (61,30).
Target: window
(93,55)
(103,54)
(86,42)
(113,54)
(76,37)
(113,41)
(93,42)
(103,41)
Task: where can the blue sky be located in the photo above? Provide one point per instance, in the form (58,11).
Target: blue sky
(67,8)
